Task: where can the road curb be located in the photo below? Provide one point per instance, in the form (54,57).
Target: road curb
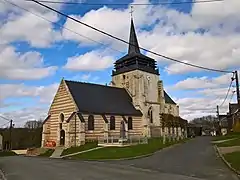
(225,161)
(221,141)
(130,158)
(88,150)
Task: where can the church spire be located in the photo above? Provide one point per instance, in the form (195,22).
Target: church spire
(134,60)
(133,42)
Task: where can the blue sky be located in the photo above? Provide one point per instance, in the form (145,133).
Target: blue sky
(36,54)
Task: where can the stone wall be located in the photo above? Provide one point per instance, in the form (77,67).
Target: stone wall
(156,131)
(143,88)
(171,109)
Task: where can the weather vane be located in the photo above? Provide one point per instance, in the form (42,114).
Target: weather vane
(131,11)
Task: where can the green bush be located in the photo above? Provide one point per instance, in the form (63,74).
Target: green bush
(7,153)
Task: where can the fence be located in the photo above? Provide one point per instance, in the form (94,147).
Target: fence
(114,140)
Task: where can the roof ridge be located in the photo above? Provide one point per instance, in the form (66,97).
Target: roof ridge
(93,84)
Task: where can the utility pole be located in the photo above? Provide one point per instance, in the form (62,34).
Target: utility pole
(218,117)
(10,134)
(218,113)
(237,88)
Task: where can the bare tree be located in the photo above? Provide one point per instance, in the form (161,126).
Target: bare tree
(33,124)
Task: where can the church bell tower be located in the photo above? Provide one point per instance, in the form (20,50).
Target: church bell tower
(139,75)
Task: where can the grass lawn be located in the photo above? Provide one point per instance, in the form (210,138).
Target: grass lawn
(234,142)
(47,153)
(88,145)
(233,159)
(125,152)
(228,136)
(7,153)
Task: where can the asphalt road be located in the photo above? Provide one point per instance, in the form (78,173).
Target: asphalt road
(194,160)
(26,168)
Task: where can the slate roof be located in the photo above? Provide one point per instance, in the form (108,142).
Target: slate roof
(168,99)
(133,46)
(134,55)
(100,99)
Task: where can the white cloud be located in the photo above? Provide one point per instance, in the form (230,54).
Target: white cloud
(34,30)
(25,114)
(86,78)
(90,61)
(207,93)
(217,92)
(44,93)
(20,25)
(192,83)
(212,14)
(200,106)
(217,48)
(220,52)
(34,23)
(6,7)
(22,66)
(117,22)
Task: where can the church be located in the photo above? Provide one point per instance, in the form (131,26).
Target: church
(135,101)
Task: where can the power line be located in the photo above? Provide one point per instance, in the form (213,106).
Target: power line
(227,93)
(6,119)
(62,26)
(4,124)
(124,4)
(119,39)
(231,96)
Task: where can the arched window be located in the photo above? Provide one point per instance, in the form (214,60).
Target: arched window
(61,117)
(130,123)
(150,115)
(90,122)
(112,123)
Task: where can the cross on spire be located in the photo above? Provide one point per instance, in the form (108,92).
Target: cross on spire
(131,12)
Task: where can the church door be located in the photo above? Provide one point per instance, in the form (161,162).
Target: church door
(62,137)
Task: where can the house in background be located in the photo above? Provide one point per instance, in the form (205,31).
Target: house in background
(233,117)
(132,105)
(223,124)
